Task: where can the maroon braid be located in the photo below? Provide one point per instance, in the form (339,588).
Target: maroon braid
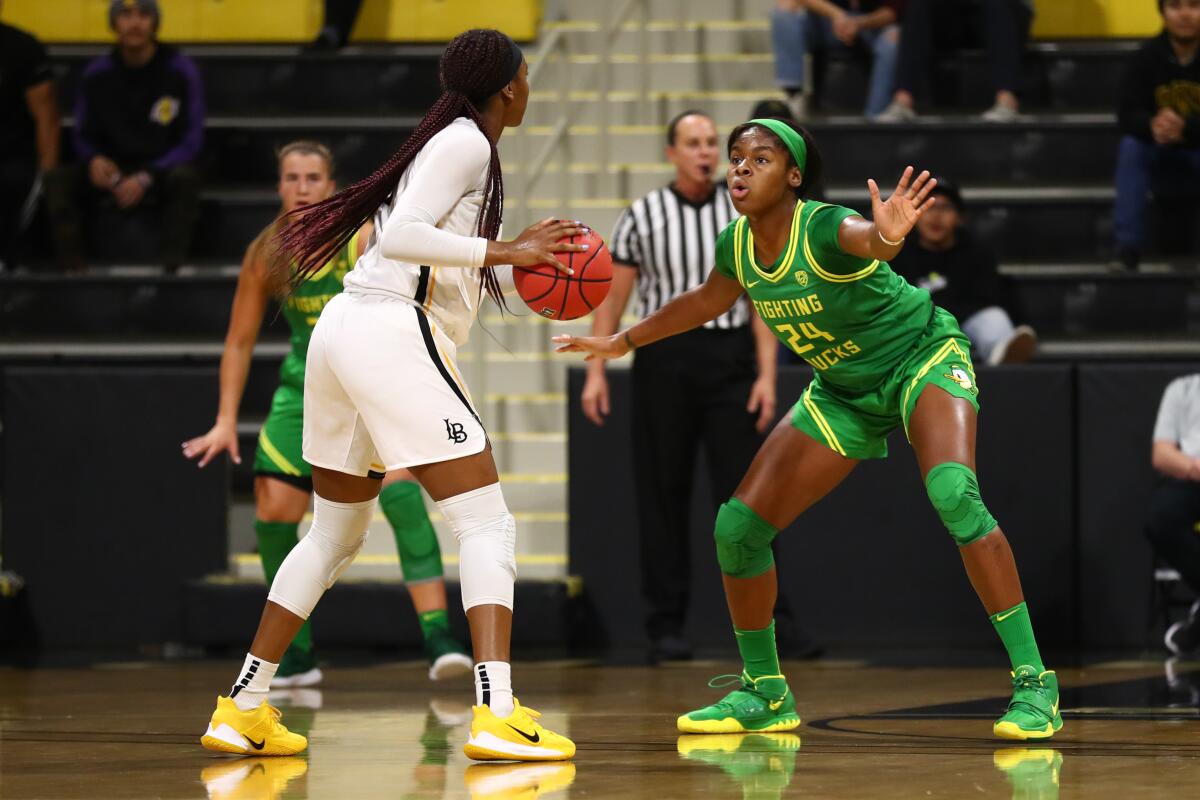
(467,70)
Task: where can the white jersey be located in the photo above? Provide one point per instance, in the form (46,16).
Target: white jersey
(425,249)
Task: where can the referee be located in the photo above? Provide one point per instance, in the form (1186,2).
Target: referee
(713,387)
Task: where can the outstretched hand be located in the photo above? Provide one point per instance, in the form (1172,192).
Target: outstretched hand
(603,347)
(897,215)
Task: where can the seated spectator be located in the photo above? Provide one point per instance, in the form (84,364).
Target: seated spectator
(29,130)
(945,258)
(1159,117)
(938,26)
(139,126)
(867,27)
(1174,517)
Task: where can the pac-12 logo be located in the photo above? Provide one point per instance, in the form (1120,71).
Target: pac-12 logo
(455,432)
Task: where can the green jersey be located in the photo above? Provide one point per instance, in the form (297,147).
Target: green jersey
(303,305)
(852,319)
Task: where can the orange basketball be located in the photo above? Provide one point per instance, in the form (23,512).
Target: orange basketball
(557,295)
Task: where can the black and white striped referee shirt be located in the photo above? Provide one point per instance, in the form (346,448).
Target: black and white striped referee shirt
(672,242)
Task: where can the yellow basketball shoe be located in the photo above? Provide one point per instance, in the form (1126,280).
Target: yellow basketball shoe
(251,778)
(254,733)
(517,781)
(517,737)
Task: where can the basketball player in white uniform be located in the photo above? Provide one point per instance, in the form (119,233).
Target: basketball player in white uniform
(382,390)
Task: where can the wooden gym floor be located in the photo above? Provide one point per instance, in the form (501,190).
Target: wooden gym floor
(131,730)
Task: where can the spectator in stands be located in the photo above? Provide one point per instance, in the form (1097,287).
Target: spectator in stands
(139,127)
(339,21)
(961,274)
(867,27)
(712,388)
(936,26)
(1159,117)
(1173,526)
(28,132)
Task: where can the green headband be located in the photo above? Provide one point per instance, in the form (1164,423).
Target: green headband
(792,140)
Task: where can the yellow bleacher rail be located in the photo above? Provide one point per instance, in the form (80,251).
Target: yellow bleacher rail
(1056,19)
(278,21)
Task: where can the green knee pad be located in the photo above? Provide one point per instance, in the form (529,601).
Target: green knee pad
(954,492)
(743,541)
(416,541)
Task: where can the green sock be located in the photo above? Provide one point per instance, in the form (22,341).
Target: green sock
(758,651)
(434,621)
(275,541)
(416,541)
(1016,631)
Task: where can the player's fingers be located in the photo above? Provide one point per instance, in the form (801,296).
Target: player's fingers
(209,453)
(235,452)
(547,257)
(873,187)
(919,183)
(565,247)
(604,407)
(925,190)
(902,185)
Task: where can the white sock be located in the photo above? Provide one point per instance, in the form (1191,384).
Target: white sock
(493,687)
(254,681)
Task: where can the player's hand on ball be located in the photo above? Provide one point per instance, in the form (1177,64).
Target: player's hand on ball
(538,243)
(222,437)
(595,346)
(897,215)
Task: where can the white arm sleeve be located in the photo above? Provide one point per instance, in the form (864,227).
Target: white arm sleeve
(445,170)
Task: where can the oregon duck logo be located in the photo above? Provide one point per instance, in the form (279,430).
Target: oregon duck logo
(960,376)
(165,110)
(802,277)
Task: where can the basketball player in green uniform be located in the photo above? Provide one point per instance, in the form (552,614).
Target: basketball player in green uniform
(283,481)
(885,357)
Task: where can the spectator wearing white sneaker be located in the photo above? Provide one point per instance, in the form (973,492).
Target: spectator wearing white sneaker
(1173,524)
(937,26)
(961,274)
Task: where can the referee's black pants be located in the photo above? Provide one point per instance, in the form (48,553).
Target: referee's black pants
(689,391)
(1173,527)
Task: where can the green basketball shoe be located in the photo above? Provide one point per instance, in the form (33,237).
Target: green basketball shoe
(447,658)
(1033,711)
(761,763)
(297,668)
(758,705)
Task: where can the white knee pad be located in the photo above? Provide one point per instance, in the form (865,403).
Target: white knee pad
(487,542)
(319,559)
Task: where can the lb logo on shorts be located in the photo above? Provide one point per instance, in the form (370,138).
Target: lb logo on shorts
(165,110)
(960,376)
(455,432)
(802,277)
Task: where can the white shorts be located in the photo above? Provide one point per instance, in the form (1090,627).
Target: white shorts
(382,391)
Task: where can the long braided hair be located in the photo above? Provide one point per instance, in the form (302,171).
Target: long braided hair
(470,71)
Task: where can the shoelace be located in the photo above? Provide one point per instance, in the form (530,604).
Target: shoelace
(276,716)
(723,681)
(1032,683)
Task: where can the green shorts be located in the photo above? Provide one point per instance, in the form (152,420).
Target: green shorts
(280,442)
(857,425)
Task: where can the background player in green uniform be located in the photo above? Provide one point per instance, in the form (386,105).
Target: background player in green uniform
(884,357)
(283,481)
